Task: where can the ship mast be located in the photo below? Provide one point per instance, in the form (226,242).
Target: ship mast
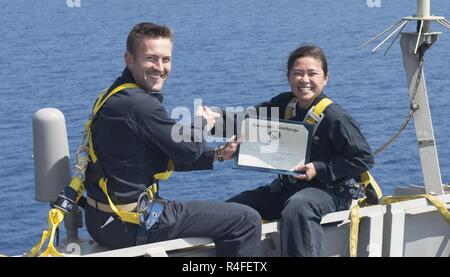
(413,47)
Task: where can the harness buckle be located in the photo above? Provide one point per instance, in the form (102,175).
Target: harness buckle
(82,159)
(143,202)
(311,114)
(149,213)
(145,199)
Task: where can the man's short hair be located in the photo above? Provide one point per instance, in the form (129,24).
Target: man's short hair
(146,30)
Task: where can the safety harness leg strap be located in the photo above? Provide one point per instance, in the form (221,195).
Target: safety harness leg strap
(125,216)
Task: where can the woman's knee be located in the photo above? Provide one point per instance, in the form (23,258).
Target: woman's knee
(299,206)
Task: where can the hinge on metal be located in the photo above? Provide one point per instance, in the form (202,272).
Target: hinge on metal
(426,142)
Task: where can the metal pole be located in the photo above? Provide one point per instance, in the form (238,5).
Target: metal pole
(422,117)
(423,8)
(423,11)
(73,221)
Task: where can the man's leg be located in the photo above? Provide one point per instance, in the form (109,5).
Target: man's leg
(300,229)
(235,228)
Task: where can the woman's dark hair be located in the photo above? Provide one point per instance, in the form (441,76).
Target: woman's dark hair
(307,50)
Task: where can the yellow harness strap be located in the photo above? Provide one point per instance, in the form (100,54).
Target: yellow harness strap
(316,111)
(132,217)
(126,216)
(387,200)
(369,183)
(312,115)
(98,104)
(291,107)
(77,184)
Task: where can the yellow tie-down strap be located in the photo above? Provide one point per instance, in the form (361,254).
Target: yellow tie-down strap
(354,230)
(366,180)
(440,206)
(387,200)
(55,217)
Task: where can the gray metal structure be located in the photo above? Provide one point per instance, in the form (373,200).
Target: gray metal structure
(413,47)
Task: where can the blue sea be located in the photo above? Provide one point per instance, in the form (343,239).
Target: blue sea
(228,53)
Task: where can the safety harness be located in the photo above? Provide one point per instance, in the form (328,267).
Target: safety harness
(147,209)
(313,117)
(372,193)
(149,194)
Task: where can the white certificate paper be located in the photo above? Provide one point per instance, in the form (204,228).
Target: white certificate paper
(273,146)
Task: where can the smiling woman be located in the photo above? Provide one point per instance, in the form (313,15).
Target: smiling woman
(307,74)
(339,154)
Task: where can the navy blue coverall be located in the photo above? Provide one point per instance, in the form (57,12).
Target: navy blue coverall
(339,153)
(132,140)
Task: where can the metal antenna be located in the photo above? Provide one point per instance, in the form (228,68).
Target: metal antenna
(413,46)
(423,19)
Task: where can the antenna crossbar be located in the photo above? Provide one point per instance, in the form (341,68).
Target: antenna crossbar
(424,22)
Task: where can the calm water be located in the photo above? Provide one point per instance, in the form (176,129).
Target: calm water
(227,53)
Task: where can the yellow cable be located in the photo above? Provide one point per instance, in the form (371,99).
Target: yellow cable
(35,250)
(439,205)
(55,217)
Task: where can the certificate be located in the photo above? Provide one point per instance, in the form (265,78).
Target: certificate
(273,146)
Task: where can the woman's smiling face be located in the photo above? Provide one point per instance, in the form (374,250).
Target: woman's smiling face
(307,80)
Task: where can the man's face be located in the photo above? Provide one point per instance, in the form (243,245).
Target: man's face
(151,64)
